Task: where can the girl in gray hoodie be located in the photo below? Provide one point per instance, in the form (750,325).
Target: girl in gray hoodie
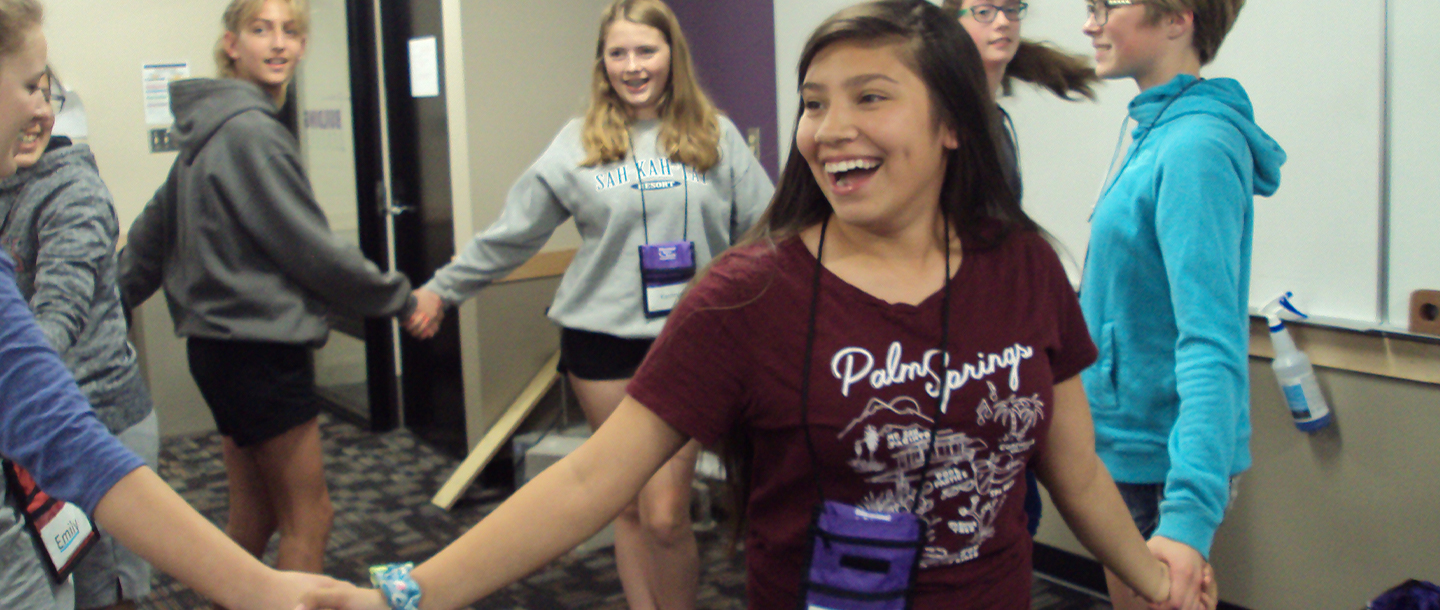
(250,269)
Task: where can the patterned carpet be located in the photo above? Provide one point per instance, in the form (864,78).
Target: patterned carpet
(381,486)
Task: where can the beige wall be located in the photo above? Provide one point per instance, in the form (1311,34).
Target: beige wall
(1331,520)
(516,94)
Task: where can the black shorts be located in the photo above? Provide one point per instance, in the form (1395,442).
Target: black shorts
(256,390)
(600,357)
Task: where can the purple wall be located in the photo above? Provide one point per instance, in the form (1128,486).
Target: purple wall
(733,44)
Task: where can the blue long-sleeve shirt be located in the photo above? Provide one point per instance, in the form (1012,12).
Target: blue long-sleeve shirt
(45,423)
(1165,293)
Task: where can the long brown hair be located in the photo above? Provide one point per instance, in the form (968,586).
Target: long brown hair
(689,125)
(1044,65)
(17,18)
(974,197)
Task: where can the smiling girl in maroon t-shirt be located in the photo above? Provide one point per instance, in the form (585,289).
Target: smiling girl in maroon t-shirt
(892,234)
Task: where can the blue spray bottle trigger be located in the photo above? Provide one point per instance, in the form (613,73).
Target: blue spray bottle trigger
(1272,310)
(1285,302)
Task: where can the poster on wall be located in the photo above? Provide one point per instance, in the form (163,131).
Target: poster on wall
(156,77)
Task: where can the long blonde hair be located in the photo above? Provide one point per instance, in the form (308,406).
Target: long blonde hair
(239,14)
(689,125)
(17,17)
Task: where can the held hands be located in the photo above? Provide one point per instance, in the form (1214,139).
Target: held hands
(424,322)
(1192,581)
(343,596)
(285,589)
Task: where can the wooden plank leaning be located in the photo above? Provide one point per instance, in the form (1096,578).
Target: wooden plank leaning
(499,433)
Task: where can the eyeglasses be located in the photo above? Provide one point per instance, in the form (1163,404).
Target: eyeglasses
(1099,10)
(56,98)
(53,92)
(985,13)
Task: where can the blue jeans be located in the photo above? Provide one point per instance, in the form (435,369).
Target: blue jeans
(1143,500)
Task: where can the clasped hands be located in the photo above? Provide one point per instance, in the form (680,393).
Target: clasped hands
(424,322)
(1192,580)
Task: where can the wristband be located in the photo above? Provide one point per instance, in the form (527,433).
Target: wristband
(395,583)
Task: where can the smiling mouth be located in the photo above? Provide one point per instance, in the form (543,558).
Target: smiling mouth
(278,62)
(30,136)
(851,172)
(636,85)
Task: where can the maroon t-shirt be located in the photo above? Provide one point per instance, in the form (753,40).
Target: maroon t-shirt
(731,357)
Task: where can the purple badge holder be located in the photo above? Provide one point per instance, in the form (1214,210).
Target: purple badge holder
(1409,595)
(861,560)
(665,269)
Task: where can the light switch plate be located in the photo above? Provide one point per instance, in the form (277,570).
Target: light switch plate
(160,141)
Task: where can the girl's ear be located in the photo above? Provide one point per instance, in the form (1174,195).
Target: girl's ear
(1180,23)
(231,41)
(949,138)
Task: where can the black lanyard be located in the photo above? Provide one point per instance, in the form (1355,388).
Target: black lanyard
(943,388)
(640,184)
(1135,146)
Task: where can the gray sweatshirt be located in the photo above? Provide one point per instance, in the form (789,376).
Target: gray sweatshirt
(235,235)
(601,290)
(57,221)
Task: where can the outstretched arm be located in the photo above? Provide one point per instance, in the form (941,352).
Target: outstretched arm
(552,514)
(144,514)
(1088,500)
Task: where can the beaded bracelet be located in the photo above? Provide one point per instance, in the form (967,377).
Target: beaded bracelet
(396,585)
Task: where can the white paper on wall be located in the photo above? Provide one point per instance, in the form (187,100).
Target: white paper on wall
(424,67)
(156,77)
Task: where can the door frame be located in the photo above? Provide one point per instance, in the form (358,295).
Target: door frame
(367,123)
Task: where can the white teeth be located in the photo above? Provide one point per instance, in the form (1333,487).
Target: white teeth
(836,167)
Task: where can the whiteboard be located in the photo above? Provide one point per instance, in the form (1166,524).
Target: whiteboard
(1314,71)
(1414,154)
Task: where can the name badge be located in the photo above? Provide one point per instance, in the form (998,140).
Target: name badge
(63,533)
(665,269)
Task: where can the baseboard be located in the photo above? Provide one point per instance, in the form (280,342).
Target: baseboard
(1080,571)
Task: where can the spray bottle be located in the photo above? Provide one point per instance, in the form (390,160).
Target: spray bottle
(1293,370)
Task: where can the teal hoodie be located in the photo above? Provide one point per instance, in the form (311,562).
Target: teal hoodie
(1165,293)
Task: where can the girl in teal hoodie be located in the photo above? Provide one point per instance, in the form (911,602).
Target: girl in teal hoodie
(1167,278)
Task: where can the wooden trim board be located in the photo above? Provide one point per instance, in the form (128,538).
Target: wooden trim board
(498,434)
(1375,354)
